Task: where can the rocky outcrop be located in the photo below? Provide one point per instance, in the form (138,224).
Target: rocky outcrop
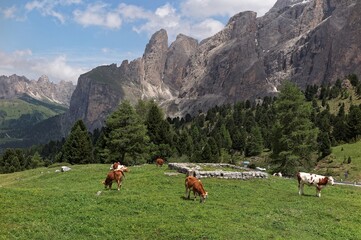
(156,75)
(15,86)
(192,169)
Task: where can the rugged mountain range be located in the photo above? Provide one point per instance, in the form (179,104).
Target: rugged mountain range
(305,41)
(43,90)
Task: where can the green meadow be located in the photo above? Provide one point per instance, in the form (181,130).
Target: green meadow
(44,204)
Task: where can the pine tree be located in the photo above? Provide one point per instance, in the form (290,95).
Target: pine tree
(354,123)
(78,147)
(159,131)
(36,161)
(226,137)
(324,144)
(294,134)
(126,139)
(254,144)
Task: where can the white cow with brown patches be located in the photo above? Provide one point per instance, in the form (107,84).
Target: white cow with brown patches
(310,179)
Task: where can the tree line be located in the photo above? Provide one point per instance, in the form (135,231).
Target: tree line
(296,129)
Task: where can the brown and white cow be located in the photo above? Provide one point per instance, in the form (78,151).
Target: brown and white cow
(310,179)
(197,187)
(115,175)
(159,162)
(117,166)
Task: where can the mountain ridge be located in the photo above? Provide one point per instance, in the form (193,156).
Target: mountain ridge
(298,40)
(42,89)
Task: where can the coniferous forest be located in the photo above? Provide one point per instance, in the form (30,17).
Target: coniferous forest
(287,133)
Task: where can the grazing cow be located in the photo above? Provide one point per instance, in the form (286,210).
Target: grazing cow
(313,180)
(115,175)
(197,187)
(159,162)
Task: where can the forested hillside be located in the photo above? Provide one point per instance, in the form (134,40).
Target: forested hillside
(294,131)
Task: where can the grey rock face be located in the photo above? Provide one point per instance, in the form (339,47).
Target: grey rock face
(305,41)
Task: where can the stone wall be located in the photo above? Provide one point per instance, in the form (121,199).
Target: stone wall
(196,170)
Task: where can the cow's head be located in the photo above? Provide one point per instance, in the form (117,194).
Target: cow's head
(331,180)
(204,197)
(115,165)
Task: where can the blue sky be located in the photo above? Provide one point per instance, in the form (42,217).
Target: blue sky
(65,38)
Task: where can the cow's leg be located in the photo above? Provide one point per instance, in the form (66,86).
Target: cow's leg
(119,184)
(300,188)
(195,195)
(318,191)
(188,193)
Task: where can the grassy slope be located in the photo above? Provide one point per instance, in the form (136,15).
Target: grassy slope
(16,107)
(336,164)
(51,205)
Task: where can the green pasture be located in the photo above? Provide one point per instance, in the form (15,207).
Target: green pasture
(44,204)
(338,163)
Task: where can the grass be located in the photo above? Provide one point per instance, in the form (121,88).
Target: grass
(42,204)
(337,163)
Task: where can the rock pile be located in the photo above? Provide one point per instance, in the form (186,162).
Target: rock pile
(196,170)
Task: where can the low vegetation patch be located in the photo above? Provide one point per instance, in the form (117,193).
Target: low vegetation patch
(44,204)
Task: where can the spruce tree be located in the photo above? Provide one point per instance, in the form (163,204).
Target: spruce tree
(294,134)
(254,144)
(78,147)
(126,138)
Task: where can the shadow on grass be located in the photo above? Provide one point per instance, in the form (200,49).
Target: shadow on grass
(308,195)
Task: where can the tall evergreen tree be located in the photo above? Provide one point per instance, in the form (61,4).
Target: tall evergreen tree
(78,147)
(354,123)
(185,143)
(294,134)
(126,139)
(254,143)
(324,144)
(159,131)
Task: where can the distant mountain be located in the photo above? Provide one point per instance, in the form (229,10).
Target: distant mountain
(305,41)
(25,103)
(43,90)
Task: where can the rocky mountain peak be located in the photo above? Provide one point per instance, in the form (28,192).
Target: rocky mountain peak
(44,80)
(42,89)
(155,56)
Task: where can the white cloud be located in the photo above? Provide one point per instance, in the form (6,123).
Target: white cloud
(98,14)
(48,7)
(9,12)
(164,11)
(195,18)
(167,17)
(58,68)
(226,8)
(203,29)
(132,12)
(22,62)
